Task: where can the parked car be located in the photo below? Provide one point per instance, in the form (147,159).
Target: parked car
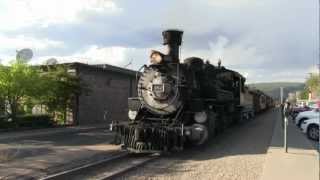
(311,128)
(305,116)
(314,104)
(296,110)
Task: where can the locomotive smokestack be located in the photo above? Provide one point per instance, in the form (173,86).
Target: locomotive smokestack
(173,39)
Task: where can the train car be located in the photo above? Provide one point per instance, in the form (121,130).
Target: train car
(181,104)
(247,103)
(256,100)
(262,102)
(270,103)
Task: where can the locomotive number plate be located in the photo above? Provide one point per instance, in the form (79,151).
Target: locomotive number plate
(158,87)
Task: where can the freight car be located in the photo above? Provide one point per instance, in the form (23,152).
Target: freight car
(261,101)
(182,104)
(247,104)
(270,103)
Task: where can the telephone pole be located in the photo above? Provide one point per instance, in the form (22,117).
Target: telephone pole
(281,93)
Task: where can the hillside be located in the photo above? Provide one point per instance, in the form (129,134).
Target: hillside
(273,88)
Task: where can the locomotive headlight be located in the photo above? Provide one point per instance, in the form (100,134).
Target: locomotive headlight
(132,114)
(156,57)
(200,117)
(187,132)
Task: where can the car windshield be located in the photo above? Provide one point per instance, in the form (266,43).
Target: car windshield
(316,110)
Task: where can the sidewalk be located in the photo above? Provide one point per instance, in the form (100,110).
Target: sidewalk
(48,131)
(301,161)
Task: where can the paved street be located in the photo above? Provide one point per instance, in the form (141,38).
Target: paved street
(41,154)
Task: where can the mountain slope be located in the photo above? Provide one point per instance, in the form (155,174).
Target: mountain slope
(273,88)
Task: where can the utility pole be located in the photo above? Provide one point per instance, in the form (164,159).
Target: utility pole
(281,93)
(284,119)
(285,134)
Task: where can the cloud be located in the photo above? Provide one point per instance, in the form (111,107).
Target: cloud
(218,48)
(232,54)
(92,55)
(101,55)
(21,41)
(116,55)
(314,69)
(231,3)
(26,13)
(262,39)
(9,45)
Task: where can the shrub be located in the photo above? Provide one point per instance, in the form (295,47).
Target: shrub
(29,121)
(34,121)
(5,123)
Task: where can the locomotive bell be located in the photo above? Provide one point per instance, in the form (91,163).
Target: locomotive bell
(173,39)
(156,57)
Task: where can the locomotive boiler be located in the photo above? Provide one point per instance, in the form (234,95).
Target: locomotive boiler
(181,103)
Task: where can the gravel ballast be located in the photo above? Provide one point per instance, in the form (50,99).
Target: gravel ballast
(238,153)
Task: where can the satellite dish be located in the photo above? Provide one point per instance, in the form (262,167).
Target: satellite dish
(24,54)
(51,61)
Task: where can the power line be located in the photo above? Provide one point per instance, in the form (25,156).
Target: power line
(128,64)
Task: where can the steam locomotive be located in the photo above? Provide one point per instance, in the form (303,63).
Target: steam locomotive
(181,104)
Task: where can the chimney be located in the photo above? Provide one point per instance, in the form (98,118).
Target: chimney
(173,39)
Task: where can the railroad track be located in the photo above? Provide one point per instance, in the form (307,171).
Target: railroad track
(109,168)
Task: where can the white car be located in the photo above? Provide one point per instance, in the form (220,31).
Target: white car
(306,115)
(311,128)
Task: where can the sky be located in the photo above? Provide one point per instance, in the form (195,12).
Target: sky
(265,40)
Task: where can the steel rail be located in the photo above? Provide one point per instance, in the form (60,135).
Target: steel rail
(123,171)
(96,170)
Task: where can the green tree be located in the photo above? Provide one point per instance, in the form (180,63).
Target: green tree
(59,90)
(313,83)
(23,86)
(304,94)
(17,82)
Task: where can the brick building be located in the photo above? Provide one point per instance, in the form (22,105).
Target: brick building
(110,87)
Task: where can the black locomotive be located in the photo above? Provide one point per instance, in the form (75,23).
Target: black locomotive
(182,103)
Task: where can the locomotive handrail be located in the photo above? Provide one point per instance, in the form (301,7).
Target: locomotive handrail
(177,88)
(178,113)
(143,66)
(157,119)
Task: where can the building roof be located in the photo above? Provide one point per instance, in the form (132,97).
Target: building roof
(104,67)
